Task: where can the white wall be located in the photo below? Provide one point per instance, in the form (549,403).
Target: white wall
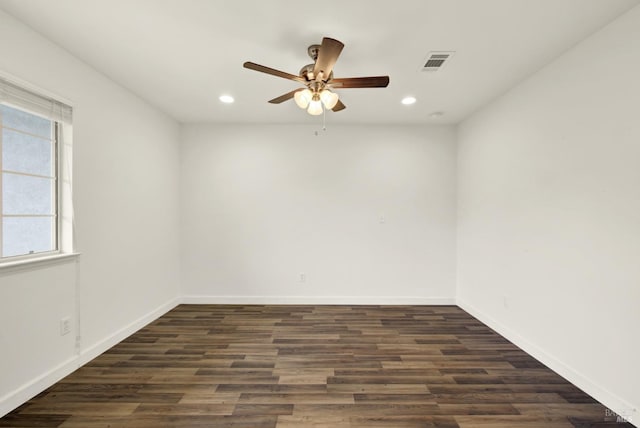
(549,214)
(263,204)
(126,160)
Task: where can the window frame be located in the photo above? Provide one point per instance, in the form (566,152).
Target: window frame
(61,139)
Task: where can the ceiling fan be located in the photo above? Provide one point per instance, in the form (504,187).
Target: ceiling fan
(319,81)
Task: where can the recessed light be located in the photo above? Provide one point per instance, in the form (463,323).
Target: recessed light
(408,100)
(436,115)
(227,99)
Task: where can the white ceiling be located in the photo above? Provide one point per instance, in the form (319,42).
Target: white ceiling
(180,55)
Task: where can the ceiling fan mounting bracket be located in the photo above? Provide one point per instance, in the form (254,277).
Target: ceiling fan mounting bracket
(313,51)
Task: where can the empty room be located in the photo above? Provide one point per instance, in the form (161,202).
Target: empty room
(345,214)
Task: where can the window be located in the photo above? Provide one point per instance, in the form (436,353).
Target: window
(32,185)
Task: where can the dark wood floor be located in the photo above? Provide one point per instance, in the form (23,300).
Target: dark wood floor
(313,366)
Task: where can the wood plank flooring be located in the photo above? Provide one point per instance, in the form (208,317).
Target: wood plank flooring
(313,366)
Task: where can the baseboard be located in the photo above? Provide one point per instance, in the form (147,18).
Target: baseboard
(29,390)
(317,300)
(26,392)
(96,349)
(616,404)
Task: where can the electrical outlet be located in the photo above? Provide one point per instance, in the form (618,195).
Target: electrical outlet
(302,277)
(65,326)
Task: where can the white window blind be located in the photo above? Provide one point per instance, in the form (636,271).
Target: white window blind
(13,95)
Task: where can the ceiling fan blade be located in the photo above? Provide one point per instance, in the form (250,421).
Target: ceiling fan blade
(339,106)
(273,72)
(360,82)
(285,97)
(327,57)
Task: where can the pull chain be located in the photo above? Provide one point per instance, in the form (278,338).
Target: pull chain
(324,122)
(324,119)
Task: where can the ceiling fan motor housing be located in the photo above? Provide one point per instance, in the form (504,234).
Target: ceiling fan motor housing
(307,71)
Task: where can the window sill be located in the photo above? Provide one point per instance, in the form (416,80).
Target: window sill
(36,262)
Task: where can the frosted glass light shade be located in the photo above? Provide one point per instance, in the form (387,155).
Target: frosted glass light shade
(302,98)
(329,99)
(315,107)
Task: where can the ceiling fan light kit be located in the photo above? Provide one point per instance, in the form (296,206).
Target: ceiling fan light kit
(329,99)
(315,106)
(303,98)
(319,81)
